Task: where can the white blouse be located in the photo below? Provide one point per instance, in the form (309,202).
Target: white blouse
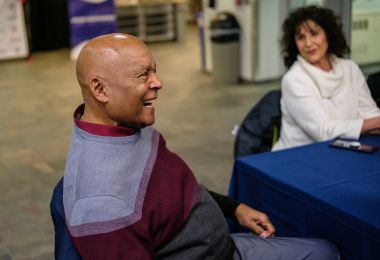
(317,105)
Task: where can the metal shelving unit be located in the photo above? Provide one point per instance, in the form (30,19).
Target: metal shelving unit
(151,22)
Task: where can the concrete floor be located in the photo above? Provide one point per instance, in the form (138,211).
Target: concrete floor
(194,114)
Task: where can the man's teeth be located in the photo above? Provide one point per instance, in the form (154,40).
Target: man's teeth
(148,102)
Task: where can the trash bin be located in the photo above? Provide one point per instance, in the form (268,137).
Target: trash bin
(225,34)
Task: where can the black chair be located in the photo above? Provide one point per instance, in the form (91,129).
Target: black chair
(261,126)
(63,248)
(373,81)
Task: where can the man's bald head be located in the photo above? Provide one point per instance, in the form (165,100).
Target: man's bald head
(117,75)
(101,54)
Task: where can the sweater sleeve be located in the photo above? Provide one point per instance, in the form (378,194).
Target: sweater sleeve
(307,109)
(225,203)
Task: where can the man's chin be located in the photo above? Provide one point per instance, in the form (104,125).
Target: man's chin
(148,123)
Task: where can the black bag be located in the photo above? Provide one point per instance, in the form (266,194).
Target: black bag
(261,126)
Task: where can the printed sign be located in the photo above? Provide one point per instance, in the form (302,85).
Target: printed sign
(89,19)
(13,40)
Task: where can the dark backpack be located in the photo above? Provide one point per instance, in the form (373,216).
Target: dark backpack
(261,126)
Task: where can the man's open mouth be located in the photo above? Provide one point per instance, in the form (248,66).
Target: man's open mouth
(148,102)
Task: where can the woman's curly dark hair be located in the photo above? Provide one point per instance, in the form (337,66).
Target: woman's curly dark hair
(322,16)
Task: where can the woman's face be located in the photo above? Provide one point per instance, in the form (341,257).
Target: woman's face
(312,44)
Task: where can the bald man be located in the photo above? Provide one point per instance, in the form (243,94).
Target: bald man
(126,196)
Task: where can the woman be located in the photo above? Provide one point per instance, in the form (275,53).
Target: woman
(323,95)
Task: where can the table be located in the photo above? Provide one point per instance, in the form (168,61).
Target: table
(316,191)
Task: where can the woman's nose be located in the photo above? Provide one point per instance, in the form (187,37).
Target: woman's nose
(308,41)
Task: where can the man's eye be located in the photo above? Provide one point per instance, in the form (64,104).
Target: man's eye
(144,74)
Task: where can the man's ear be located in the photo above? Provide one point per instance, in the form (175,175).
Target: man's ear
(98,90)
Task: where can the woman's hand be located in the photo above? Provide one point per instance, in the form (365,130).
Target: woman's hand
(370,124)
(255,220)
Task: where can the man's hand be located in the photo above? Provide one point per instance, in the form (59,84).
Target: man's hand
(255,220)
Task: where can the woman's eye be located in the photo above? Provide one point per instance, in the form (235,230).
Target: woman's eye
(314,33)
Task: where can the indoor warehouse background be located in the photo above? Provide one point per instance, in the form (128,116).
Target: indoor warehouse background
(196,111)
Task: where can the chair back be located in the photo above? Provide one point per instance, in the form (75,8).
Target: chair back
(63,248)
(373,81)
(261,126)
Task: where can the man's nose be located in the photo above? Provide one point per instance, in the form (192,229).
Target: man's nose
(155,82)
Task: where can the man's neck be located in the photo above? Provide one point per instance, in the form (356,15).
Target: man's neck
(96,126)
(96,117)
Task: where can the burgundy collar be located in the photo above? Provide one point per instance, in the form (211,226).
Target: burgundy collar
(99,129)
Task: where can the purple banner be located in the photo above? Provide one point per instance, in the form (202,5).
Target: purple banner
(88,19)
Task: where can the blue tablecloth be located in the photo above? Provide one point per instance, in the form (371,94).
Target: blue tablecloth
(316,191)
